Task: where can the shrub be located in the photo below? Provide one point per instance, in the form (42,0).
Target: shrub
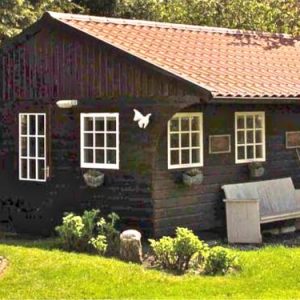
(176,253)
(86,232)
(99,244)
(108,229)
(70,231)
(219,261)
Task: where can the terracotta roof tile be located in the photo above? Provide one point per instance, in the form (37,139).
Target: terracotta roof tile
(226,62)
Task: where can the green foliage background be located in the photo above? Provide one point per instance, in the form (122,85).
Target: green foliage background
(263,15)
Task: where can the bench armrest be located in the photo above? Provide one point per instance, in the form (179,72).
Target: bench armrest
(297,196)
(240,200)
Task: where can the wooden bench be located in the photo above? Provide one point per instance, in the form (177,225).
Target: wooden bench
(253,203)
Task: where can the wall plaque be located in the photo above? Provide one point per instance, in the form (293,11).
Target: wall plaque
(219,144)
(292,139)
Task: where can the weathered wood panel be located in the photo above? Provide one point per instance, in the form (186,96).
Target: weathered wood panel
(201,207)
(55,63)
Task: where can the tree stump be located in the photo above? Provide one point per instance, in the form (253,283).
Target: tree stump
(130,246)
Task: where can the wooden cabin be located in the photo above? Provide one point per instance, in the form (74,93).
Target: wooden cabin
(220,100)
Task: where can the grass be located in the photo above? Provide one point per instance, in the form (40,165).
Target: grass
(39,271)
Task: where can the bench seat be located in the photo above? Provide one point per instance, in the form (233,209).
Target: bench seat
(285,215)
(276,200)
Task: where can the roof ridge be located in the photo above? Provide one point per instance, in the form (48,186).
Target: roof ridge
(221,30)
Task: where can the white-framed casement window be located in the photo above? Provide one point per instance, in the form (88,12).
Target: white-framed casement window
(185,140)
(250,137)
(32,147)
(99,140)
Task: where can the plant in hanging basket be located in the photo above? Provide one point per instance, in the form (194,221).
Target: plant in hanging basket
(192,176)
(256,169)
(93,178)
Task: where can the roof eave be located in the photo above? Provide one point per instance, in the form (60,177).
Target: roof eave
(255,100)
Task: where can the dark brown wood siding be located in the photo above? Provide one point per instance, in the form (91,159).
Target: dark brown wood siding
(201,207)
(56,63)
(60,64)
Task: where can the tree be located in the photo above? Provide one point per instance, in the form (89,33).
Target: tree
(98,7)
(263,15)
(16,15)
(266,15)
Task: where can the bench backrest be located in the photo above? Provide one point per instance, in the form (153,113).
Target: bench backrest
(275,196)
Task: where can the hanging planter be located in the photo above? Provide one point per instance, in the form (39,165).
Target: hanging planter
(192,177)
(93,178)
(256,169)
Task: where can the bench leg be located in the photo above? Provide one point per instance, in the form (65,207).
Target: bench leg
(297,224)
(243,222)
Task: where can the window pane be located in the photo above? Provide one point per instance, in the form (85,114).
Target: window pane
(41,147)
(23,120)
(259,151)
(195,139)
(88,123)
(196,123)
(250,152)
(88,155)
(32,125)
(99,123)
(249,122)
(258,136)
(41,169)
(32,149)
(111,140)
(32,169)
(103,135)
(24,146)
(174,140)
(250,136)
(174,157)
(195,155)
(240,122)
(185,156)
(185,140)
(23,168)
(99,140)
(174,124)
(41,124)
(258,121)
(185,124)
(88,140)
(241,152)
(241,137)
(185,134)
(100,156)
(111,156)
(111,124)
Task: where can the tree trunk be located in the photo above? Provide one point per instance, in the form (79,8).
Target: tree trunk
(130,246)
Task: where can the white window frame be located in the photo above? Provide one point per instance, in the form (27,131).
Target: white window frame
(184,115)
(263,143)
(105,148)
(36,136)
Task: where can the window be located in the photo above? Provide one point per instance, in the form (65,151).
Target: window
(32,147)
(249,136)
(185,141)
(100,140)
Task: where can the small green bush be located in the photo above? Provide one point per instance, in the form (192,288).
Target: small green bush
(70,232)
(84,233)
(99,243)
(108,229)
(176,253)
(219,261)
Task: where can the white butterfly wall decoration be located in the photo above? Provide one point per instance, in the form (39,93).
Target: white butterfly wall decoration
(143,121)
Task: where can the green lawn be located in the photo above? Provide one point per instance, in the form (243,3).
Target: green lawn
(38,270)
